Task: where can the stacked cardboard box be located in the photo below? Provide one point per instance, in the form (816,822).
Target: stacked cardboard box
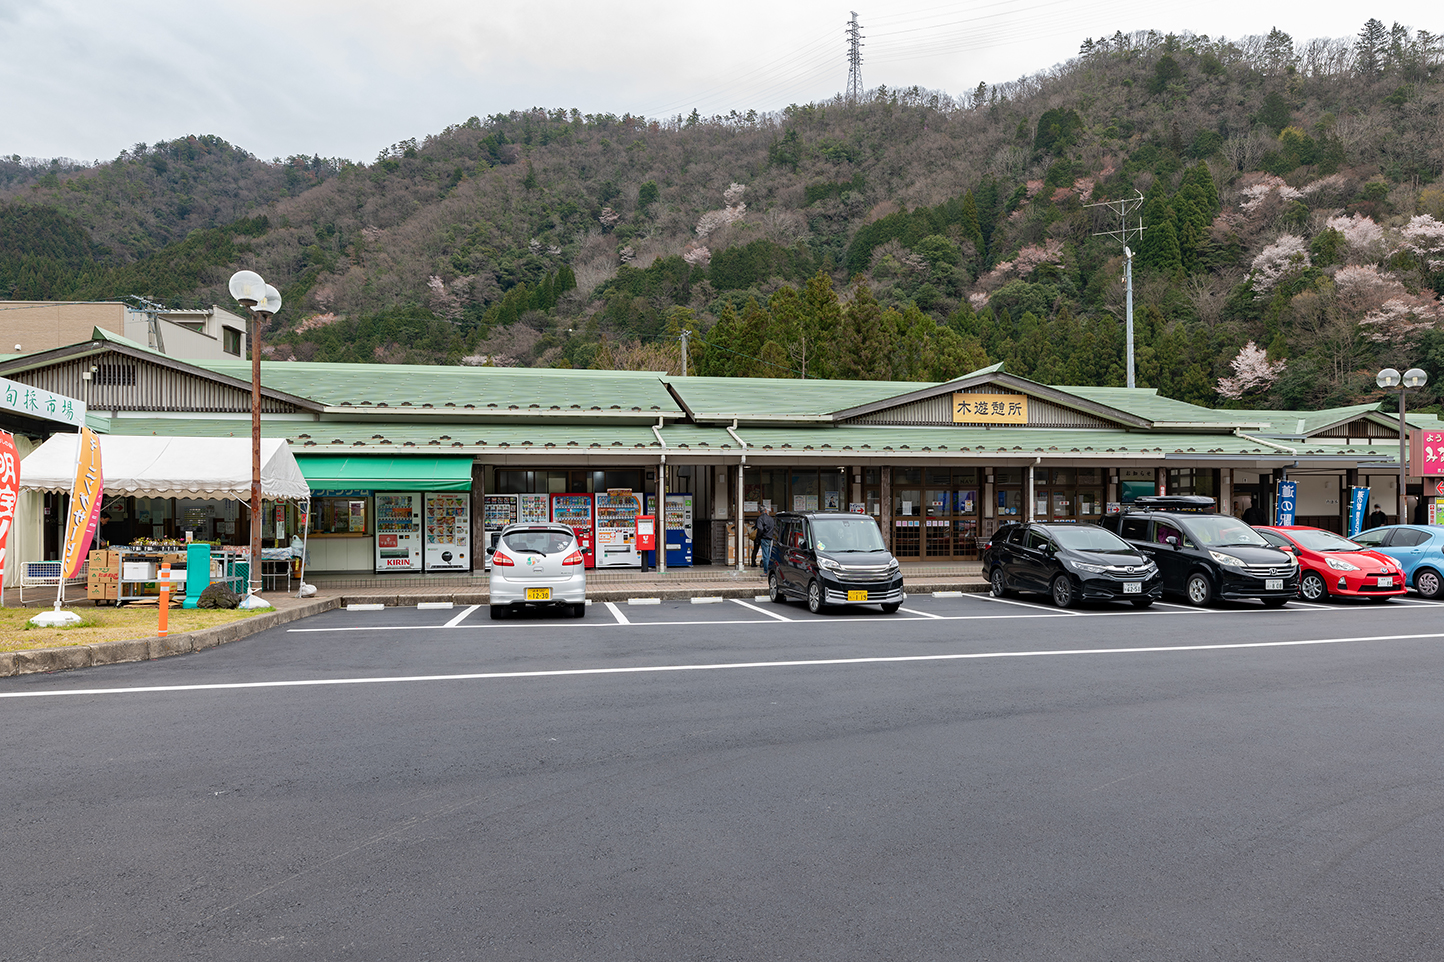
(103,582)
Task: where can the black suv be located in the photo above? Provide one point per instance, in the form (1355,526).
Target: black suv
(1071,562)
(1204,555)
(832,558)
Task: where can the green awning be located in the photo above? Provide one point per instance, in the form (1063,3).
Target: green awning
(343,472)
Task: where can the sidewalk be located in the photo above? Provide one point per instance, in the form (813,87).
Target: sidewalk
(615,584)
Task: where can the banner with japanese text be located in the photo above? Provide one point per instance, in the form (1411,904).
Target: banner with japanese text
(1426,454)
(9,493)
(85,497)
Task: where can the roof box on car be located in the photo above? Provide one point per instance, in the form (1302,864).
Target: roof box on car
(1194,503)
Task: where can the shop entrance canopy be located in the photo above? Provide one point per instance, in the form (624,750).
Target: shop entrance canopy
(343,472)
(156,467)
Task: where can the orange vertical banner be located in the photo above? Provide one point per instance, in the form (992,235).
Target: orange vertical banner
(85,496)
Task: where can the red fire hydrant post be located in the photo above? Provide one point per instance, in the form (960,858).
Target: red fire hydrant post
(164,599)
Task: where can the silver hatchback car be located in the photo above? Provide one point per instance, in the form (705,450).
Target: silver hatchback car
(537,564)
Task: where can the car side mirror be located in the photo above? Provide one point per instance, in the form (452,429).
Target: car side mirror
(1173,540)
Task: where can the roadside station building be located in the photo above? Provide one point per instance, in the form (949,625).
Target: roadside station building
(940,466)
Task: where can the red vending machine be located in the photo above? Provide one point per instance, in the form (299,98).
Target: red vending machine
(576,512)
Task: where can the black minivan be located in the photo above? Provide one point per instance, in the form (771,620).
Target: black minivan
(1205,555)
(832,558)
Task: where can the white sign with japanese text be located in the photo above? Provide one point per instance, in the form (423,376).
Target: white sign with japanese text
(36,403)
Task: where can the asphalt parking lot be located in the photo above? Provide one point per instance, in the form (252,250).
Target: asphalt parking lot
(967,778)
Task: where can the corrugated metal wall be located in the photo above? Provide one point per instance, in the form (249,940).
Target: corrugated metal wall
(128,384)
(939,411)
(1358,429)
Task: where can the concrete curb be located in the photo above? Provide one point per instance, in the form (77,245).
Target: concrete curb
(147,649)
(747,592)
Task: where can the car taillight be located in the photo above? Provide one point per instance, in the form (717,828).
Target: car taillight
(501,559)
(575,558)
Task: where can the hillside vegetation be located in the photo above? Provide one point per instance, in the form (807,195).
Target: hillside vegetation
(1289,191)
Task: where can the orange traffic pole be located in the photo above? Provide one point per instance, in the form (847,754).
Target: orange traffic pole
(164,598)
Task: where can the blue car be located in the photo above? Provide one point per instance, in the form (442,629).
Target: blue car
(1419,549)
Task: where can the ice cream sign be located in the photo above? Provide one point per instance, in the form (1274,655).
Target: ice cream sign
(1426,454)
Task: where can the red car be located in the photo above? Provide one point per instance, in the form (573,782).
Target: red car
(1331,564)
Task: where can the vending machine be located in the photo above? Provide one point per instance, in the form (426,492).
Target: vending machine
(679,529)
(534,509)
(448,531)
(398,531)
(617,511)
(497,511)
(575,511)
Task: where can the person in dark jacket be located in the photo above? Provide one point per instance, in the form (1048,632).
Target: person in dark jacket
(1378,518)
(766,528)
(1252,515)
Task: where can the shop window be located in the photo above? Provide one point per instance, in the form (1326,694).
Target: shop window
(1202,481)
(345,515)
(1010,503)
(907,502)
(833,484)
(1008,476)
(907,477)
(805,494)
(872,475)
(231,341)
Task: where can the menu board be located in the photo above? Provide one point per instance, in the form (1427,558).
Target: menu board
(398,532)
(448,531)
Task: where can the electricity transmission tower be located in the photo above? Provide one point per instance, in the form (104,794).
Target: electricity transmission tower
(854,59)
(1125,231)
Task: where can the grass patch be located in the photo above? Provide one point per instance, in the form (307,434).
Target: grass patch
(107,624)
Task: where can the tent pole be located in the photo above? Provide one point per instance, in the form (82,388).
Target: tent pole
(305,540)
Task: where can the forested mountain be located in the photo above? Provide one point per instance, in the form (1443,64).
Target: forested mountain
(1293,236)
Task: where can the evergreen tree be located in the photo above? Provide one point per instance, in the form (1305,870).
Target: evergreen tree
(867,338)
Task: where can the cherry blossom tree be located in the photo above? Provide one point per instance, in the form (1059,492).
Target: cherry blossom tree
(1363,238)
(1252,371)
(1285,257)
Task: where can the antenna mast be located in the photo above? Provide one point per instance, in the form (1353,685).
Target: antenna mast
(854,59)
(1123,208)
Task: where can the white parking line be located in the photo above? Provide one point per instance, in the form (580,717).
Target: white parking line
(617,613)
(763,611)
(1295,603)
(461,617)
(925,614)
(720,666)
(1043,612)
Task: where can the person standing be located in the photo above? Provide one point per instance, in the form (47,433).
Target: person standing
(766,527)
(1252,515)
(1378,518)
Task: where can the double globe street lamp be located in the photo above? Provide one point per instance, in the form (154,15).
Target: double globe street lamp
(262,301)
(1390,380)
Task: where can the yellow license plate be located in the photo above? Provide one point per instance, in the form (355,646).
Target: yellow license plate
(857,596)
(538,594)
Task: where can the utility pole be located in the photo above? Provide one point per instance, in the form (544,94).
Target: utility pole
(1124,208)
(685,332)
(854,59)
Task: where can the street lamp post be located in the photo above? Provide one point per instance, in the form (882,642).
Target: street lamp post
(262,301)
(1390,379)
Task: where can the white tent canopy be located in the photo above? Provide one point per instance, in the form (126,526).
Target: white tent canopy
(155,467)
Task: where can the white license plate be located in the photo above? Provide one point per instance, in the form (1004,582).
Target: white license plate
(1274,584)
(1133,587)
(1386,582)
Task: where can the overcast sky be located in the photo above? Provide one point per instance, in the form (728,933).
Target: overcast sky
(88,78)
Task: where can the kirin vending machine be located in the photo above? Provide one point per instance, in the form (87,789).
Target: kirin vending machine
(448,531)
(679,529)
(398,531)
(617,511)
(575,511)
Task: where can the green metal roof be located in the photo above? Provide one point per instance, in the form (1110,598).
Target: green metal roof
(779,399)
(499,390)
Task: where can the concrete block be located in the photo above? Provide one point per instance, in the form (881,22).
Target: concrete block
(118,652)
(52,659)
(173,645)
(7,664)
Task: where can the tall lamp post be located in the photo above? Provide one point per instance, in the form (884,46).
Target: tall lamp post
(262,301)
(1390,379)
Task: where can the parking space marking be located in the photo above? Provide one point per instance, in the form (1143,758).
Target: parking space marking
(1295,603)
(617,613)
(914,611)
(762,611)
(461,617)
(1188,608)
(720,666)
(1042,612)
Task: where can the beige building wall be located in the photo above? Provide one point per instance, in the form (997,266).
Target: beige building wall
(46,325)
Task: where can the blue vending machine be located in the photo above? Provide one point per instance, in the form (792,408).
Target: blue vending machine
(679,530)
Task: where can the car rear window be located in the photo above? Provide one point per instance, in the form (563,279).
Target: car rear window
(537,542)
